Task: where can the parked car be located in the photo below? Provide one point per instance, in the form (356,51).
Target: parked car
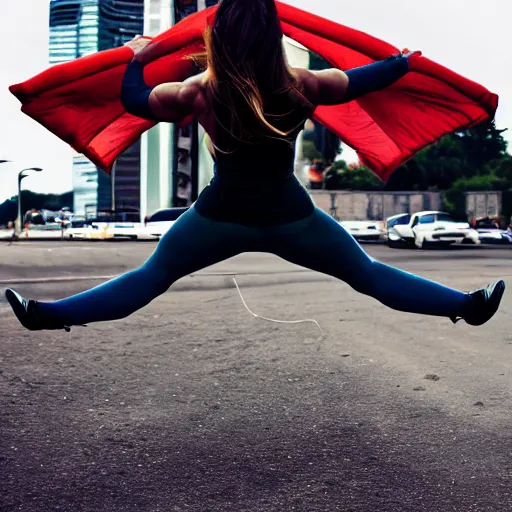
(365,231)
(428,228)
(121,223)
(490,233)
(162,220)
(87,230)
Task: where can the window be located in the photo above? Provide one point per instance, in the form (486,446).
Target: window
(154,7)
(427,219)
(167,214)
(400,221)
(444,217)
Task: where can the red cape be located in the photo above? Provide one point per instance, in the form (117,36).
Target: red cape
(79,101)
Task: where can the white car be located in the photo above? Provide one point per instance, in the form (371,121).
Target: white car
(490,233)
(79,229)
(365,231)
(130,230)
(428,228)
(162,220)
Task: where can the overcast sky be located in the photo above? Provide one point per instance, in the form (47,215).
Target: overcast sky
(472,37)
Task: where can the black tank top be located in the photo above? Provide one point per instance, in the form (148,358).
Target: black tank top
(256,186)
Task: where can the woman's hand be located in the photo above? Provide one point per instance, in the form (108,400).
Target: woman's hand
(409,54)
(138,45)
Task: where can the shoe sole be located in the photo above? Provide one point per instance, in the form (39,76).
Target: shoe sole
(16,302)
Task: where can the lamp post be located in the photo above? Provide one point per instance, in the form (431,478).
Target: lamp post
(20,178)
(113,188)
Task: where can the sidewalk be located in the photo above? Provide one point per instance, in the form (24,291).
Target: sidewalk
(33,234)
(36,235)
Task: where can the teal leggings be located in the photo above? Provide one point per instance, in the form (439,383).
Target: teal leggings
(317,242)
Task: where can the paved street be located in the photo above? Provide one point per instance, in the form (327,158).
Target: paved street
(192,404)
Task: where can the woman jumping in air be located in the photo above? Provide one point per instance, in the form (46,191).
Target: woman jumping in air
(253,106)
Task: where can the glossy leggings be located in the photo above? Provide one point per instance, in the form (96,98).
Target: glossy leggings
(317,242)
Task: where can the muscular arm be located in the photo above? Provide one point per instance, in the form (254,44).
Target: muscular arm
(333,87)
(171,102)
(174,101)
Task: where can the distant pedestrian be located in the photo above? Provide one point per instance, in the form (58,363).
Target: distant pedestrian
(11,226)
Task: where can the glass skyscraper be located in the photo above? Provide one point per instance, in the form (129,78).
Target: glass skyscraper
(79,28)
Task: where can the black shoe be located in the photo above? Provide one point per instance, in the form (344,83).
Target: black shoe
(484,304)
(27,312)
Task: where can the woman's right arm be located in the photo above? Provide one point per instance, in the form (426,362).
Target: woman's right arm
(170,102)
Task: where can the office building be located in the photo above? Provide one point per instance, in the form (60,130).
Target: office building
(83,27)
(174,165)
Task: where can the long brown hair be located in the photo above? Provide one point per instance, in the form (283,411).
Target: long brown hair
(254,92)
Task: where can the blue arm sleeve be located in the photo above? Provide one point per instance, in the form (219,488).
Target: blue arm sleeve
(135,93)
(374,77)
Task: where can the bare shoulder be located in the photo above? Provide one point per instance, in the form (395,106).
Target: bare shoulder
(324,87)
(174,101)
(187,94)
(308,83)
(193,91)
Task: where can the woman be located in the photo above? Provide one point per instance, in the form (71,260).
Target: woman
(253,105)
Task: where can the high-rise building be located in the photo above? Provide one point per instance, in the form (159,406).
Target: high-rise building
(79,28)
(174,165)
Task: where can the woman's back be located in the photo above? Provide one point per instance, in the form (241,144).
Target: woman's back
(262,154)
(254,179)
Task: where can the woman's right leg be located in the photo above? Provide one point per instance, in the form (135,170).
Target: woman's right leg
(322,244)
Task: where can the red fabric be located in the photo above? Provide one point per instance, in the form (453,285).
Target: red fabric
(79,101)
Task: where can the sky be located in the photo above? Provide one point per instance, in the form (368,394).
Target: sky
(471,37)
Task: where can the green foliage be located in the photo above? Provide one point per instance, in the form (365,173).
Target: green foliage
(29,200)
(317,63)
(474,159)
(454,198)
(321,144)
(310,152)
(476,151)
(502,169)
(342,177)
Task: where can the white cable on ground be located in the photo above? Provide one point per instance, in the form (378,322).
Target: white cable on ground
(307,320)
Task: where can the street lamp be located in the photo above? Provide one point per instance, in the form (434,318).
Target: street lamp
(20,177)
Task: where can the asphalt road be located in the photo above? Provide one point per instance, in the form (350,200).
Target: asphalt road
(192,404)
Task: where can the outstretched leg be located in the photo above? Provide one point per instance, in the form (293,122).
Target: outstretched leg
(190,245)
(320,243)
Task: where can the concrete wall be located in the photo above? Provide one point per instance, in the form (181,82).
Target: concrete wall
(484,204)
(346,205)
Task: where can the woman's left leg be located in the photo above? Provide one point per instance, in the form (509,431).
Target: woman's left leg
(322,244)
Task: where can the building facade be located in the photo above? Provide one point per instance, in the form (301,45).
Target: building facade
(174,164)
(83,27)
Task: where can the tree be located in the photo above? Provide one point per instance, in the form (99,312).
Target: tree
(325,142)
(343,177)
(29,200)
(482,144)
(476,151)
(310,152)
